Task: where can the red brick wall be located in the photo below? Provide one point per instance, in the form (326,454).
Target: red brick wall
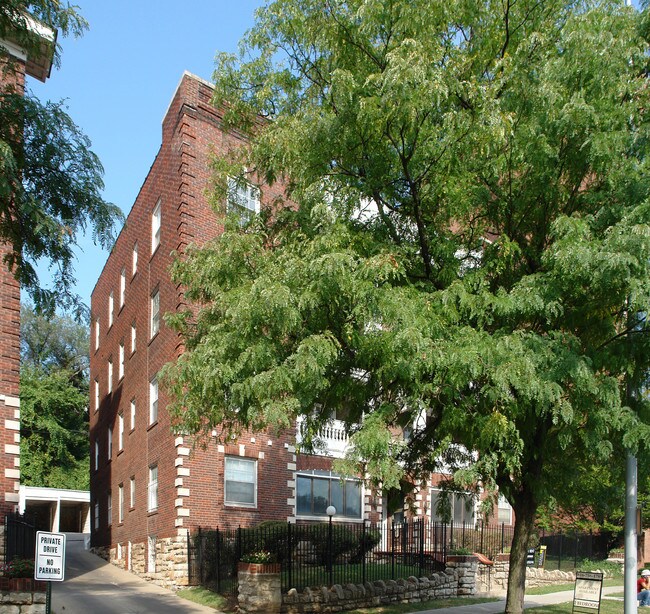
(12,77)
(179,177)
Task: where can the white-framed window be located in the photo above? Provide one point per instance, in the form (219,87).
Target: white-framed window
(120,364)
(96,334)
(456,507)
(110,375)
(120,431)
(504,511)
(109,509)
(132,492)
(96,455)
(316,490)
(151,554)
(132,413)
(120,504)
(153,400)
(96,386)
(133,335)
(96,514)
(152,489)
(155,313)
(156,222)
(243,199)
(122,286)
(110,443)
(111,309)
(240,481)
(134,259)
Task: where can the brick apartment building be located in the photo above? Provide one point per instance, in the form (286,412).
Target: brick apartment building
(149,489)
(15,64)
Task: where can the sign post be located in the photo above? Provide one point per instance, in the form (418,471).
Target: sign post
(50,562)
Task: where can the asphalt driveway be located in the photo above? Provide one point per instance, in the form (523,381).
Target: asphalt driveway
(93,586)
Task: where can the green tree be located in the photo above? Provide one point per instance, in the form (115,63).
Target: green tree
(54,401)
(50,180)
(469,253)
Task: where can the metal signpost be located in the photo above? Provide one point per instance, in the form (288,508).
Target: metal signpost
(50,562)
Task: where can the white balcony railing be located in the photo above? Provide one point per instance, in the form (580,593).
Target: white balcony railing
(332,438)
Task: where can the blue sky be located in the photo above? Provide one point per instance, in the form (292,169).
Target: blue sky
(120,76)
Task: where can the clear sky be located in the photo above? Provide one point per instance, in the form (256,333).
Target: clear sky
(120,76)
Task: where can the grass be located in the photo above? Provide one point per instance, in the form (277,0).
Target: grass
(556,588)
(205,597)
(606,607)
(402,608)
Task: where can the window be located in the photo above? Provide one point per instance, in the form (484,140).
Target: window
(152,489)
(132,413)
(111,308)
(96,394)
(151,554)
(156,219)
(120,504)
(96,334)
(109,506)
(132,337)
(110,443)
(134,259)
(132,492)
(96,514)
(110,375)
(153,400)
(122,286)
(241,481)
(452,506)
(120,432)
(316,490)
(155,313)
(504,511)
(243,199)
(120,365)
(96,455)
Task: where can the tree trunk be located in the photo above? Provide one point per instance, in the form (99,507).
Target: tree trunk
(525,509)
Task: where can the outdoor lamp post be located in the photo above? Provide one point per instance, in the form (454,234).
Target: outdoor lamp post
(330,511)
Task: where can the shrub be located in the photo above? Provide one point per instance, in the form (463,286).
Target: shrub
(18,568)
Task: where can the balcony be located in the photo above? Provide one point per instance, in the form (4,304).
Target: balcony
(332,438)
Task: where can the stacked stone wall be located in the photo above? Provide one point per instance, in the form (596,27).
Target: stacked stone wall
(534,576)
(458,579)
(22,596)
(171,569)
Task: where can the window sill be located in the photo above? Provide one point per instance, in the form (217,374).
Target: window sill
(326,518)
(152,512)
(120,452)
(248,506)
(152,425)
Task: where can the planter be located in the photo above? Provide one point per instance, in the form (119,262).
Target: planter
(462,558)
(259,568)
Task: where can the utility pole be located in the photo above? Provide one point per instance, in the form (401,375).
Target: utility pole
(630,602)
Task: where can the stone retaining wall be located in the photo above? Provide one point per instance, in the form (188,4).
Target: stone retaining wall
(534,576)
(458,579)
(22,596)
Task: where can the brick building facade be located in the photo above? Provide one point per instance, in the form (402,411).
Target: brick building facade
(16,63)
(149,488)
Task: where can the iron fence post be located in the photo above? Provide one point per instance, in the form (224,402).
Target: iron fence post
(289,555)
(217,547)
(329,551)
(482,533)
(559,557)
(421,557)
(392,550)
(503,537)
(200,550)
(363,553)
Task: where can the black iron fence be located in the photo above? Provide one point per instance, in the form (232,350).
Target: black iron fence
(566,551)
(334,553)
(20,537)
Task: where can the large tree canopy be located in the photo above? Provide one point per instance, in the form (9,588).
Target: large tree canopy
(50,180)
(469,252)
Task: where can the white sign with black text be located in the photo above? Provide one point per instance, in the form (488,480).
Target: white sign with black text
(50,556)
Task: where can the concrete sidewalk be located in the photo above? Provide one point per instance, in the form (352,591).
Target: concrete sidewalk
(530,601)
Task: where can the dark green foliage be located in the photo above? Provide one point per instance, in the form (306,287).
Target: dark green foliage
(50,180)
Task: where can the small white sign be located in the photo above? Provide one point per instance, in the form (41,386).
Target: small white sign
(50,556)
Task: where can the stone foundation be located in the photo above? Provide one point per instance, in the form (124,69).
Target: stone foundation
(259,588)
(22,596)
(171,569)
(458,579)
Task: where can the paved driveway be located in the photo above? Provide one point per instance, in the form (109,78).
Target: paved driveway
(93,586)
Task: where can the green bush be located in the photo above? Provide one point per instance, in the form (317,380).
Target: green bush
(18,568)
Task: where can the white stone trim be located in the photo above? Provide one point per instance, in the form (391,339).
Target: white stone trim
(183,451)
(183,492)
(12,473)
(183,471)
(12,425)
(178,462)
(183,511)
(11,449)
